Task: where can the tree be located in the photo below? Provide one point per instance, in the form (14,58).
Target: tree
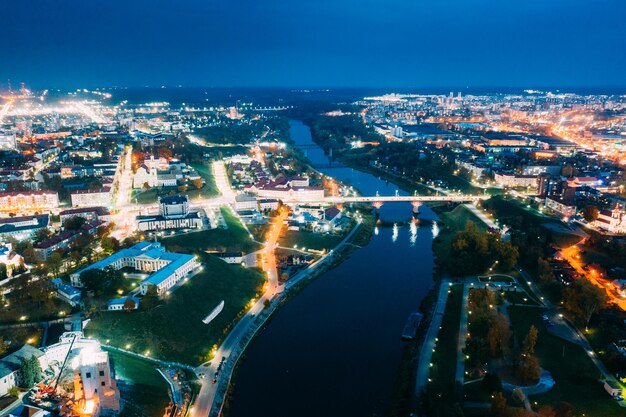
(528,369)
(584,299)
(43,234)
(499,336)
(546,411)
(151,299)
(544,270)
(129,304)
(74,223)
(590,213)
(198,183)
(109,244)
(31,372)
(498,405)
(528,346)
(55,261)
(3,271)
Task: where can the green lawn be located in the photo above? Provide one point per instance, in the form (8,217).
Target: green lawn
(143,390)
(309,240)
(443,371)
(234,238)
(575,375)
(209,189)
(174,330)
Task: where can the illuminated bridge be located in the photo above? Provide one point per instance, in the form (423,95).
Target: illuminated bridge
(379,199)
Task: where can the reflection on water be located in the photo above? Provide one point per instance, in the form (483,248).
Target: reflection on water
(394,235)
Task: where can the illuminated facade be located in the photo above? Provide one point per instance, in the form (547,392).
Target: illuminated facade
(29,200)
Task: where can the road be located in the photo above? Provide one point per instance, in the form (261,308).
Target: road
(572,256)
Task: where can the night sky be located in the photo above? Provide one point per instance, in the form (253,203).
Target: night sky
(313,43)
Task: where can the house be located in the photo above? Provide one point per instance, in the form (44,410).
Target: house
(67,293)
(117,304)
(10,259)
(245,202)
(11,367)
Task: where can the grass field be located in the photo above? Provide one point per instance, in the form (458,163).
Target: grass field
(174,330)
(143,390)
(234,238)
(309,240)
(209,189)
(443,371)
(575,375)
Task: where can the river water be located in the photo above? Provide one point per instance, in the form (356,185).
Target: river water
(335,348)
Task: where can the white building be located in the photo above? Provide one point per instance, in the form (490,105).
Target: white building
(10,259)
(90,198)
(166,268)
(560,206)
(95,389)
(174,213)
(29,200)
(508,180)
(612,221)
(245,202)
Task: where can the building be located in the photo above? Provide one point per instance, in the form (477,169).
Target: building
(87,213)
(10,259)
(612,221)
(29,200)
(95,389)
(245,202)
(174,213)
(62,241)
(475,170)
(166,268)
(510,180)
(11,367)
(563,207)
(7,141)
(66,292)
(24,227)
(94,197)
(117,304)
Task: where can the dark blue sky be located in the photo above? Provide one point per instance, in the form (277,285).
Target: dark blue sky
(313,43)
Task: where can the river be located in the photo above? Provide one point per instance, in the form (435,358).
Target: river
(335,348)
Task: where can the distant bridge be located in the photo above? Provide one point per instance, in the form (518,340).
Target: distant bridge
(379,199)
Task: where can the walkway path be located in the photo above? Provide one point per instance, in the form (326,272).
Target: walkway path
(460,357)
(426,352)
